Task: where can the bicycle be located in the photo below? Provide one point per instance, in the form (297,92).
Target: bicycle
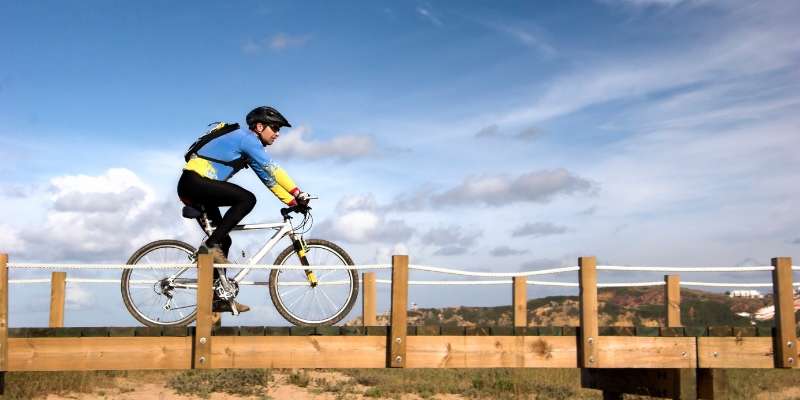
(167,297)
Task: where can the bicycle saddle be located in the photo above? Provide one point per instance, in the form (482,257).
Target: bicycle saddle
(191,212)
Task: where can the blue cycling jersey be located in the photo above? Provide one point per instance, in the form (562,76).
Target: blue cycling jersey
(238,145)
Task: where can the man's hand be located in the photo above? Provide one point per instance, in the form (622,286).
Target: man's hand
(302,198)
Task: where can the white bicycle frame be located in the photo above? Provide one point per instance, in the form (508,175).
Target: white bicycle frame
(282,229)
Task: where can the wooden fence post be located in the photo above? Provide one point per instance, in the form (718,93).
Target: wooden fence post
(202,338)
(368,317)
(587,282)
(399,311)
(58,286)
(672,300)
(519,296)
(783,299)
(3,320)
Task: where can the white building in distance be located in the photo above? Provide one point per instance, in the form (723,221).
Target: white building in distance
(750,294)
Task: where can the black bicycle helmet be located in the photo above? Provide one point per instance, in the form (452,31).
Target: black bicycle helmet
(266,115)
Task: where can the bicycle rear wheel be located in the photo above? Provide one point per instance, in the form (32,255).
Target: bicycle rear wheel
(160,296)
(327,302)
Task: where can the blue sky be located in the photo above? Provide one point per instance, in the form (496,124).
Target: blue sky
(485,137)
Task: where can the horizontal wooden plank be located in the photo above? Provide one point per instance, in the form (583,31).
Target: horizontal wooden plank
(99,353)
(298,352)
(645,352)
(491,352)
(731,352)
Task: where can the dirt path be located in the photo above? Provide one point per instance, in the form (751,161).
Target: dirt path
(323,385)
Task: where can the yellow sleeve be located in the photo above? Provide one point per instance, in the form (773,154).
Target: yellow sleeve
(284,180)
(282,194)
(285,189)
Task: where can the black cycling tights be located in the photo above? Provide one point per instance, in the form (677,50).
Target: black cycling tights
(212,194)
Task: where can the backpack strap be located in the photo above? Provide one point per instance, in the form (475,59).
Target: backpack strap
(237,164)
(219,129)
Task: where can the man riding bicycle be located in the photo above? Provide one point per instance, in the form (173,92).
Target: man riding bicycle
(204,182)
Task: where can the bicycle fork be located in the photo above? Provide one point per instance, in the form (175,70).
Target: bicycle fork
(301,248)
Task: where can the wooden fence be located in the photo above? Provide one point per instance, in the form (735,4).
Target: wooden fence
(670,361)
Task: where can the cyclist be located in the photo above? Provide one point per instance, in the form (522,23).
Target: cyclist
(204,181)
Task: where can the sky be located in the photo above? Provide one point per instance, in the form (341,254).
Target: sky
(479,136)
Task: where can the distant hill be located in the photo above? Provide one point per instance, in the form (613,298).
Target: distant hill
(637,306)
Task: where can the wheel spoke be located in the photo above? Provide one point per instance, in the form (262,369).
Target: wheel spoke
(326,304)
(146,301)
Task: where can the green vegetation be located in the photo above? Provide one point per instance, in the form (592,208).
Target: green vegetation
(474,383)
(638,306)
(389,383)
(299,378)
(246,382)
(26,385)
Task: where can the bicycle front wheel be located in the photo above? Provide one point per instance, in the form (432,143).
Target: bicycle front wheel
(325,303)
(161,296)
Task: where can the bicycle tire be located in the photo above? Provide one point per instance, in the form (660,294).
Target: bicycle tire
(137,256)
(341,312)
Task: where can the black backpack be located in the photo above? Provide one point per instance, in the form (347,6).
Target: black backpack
(219,129)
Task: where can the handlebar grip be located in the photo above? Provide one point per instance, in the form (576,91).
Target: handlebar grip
(298,209)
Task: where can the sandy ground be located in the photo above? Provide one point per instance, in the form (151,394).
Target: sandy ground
(156,389)
(785,394)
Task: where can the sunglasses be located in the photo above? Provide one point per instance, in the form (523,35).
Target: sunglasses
(275,128)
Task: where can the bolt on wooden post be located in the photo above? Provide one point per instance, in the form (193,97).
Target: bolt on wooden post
(519,296)
(587,282)
(58,287)
(399,311)
(202,339)
(672,300)
(368,316)
(783,298)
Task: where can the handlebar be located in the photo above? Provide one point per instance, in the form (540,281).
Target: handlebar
(300,209)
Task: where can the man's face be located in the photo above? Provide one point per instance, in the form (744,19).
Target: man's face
(266,133)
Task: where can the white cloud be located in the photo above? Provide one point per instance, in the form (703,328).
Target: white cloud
(282,41)
(505,251)
(97,218)
(740,50)
(298,144)
(277,42)
(359,220)
(498,190)
(451,240)
(10,242)
(428,15)
(532,39)
(78,297)
(17,191)
(494,132)
(539,229)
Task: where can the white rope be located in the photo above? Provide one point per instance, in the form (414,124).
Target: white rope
(303,267)
(24,281)
(725,284)
(177,266)
(491,274)
(631,284)
(100,266)
(301,283)
(683,269)
(87,280)
(493,282)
